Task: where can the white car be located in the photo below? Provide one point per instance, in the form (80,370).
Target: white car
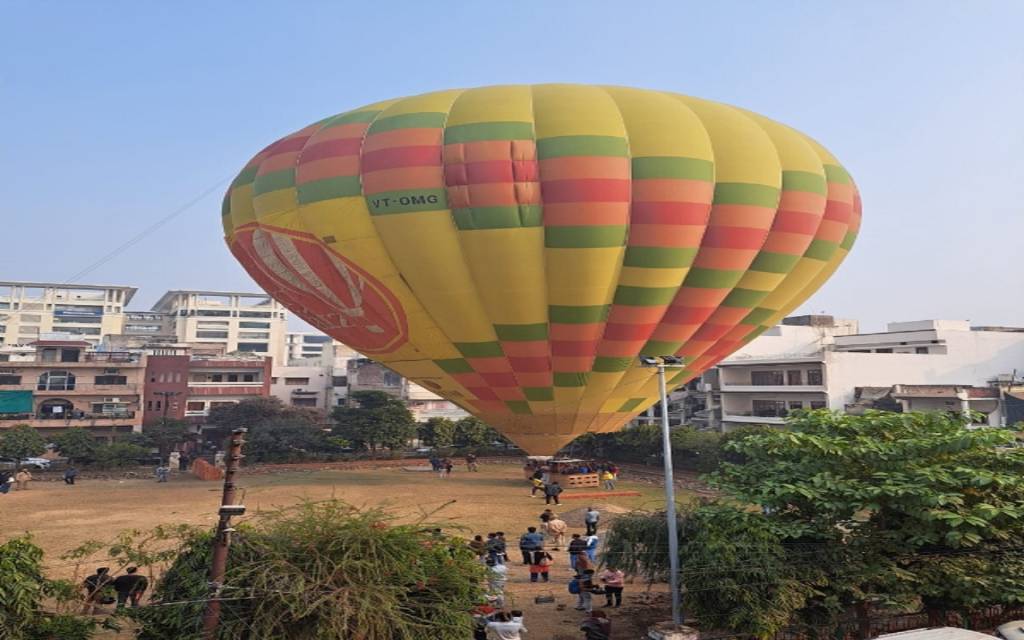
(36,463)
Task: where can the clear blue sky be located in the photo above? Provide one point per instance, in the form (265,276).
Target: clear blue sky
(114,114)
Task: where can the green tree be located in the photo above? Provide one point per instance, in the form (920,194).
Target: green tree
(922,507)
(21,441)
(473,432)
(23,590)
(252,411)
(164,435)
(437,432)
(374,419)
(77,445)
(118,455)
(695,450)
(323,570)
(287,441)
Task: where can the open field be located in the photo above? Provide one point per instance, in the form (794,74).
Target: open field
(60,517)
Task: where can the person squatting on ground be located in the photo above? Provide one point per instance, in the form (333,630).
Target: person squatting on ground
(551,492)
(591,518)
(70,474)
(540,566)
(596,626)
(21,479)
(613,580)
(130,587)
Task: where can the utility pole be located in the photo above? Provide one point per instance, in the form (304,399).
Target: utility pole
(228,508)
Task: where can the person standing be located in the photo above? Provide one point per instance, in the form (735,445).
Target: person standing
(590,518)
(608,478)
(94,586)
(70,474)
(529,542)
(495,548)
(577,548)
(556,531)
(21,479)
(162,472)
(130,587)
(502,545)
(592,544)
(6,480)
(540,565)
(478,546)
(585,597)
(551,492)
(497,577)
(471,464)
(537,485)
(545,518)
(614,581)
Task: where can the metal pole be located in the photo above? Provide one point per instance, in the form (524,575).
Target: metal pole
(670,501)
(211,618)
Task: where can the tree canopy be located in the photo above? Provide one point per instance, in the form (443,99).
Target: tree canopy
(252,411)
(436,432)
(374,419)
(21,441)
(76,444)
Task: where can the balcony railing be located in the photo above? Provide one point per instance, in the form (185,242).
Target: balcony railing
(69,418)
(74,388)
(90,357)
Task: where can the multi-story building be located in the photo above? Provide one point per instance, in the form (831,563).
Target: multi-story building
(185,385)
(88,312)
(303,385)
(59,382)
(933,364)
(306,345)
(366,375)
(245,322)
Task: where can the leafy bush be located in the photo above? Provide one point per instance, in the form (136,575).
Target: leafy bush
(21,441)
(323,570)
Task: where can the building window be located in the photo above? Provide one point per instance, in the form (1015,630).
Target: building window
(254,335)
(248,377)
(149,405)
(794,377)
(10,379)
(255,314)
(56,381)
(814,377)
(249,324)
(339,381)
(253,347)
(108,379)
(766,378)
(817,404)
(887,350)
(769,408)
(216,313)
(211,334)
(232,377)
(177,376)
(295,382)
(195,406)
(795,405)
(216,377)
(920,349)
(273,380)
(158,405)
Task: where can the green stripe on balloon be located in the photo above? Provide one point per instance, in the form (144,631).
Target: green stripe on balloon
(564,146)
(835,173)
(329,188)
(408,121)
(564,314)
(744,298)
(758,315)
(659,348)
(821,249)
(712,278)
(273,181)
(644,296)
(482,131)
(245,177)
(507,217)
(655,167)
(659,257)
(588,237)
(225,204)
(407,201)
(350,118)
(608,364)
(539,394)
(454,365)
(848,240)
(804,181)
(770,262)
(521,332)
(631,404)
(518,406)
(573,379)
(758,195)
(480,349)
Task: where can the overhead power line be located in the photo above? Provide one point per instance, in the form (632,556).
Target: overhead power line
(139,237)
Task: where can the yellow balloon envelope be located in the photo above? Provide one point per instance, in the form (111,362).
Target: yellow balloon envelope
(515,248)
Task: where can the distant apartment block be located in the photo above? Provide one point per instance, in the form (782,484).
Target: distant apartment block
(88,312)
(366,375)
(59,382)
(245,322)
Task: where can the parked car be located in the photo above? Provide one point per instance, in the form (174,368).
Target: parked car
(8,464)
(41,464)
(1011,630)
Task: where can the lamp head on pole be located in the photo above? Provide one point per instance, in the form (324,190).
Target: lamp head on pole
(658,361)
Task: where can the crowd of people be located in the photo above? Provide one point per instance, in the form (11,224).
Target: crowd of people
(536,546)
(444,466)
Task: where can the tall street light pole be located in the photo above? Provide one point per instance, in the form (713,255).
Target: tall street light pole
(660,363)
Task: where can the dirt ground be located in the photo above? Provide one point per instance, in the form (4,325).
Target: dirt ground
(61,517)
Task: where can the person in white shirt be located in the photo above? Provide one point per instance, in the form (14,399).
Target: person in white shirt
(497,577)
(503,627)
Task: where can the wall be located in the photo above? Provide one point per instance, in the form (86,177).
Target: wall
(319,381)
(165,374)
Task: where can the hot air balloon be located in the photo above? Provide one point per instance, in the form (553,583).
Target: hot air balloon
(515,248)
